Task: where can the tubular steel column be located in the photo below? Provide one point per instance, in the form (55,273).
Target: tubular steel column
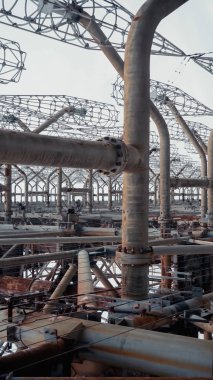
(8,193)
(140,52)
(109,193)
(59,192)
(198,148)
(90,194)
(136,133)
(85,283)
(210,178)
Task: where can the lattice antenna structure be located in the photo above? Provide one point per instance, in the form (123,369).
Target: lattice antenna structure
(12,60)
(61,20)
(176,132)
(204,60)
(159,92)
(185,103)
(85,119)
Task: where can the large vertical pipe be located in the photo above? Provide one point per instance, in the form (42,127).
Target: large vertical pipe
(8,193)
(137,64)
(85,283)
(198,148)
(109,193)
(210,178)
(136,133)
(59,192)
(90,194)
(165,217)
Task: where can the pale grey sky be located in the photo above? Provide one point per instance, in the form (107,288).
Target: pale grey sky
(57,68)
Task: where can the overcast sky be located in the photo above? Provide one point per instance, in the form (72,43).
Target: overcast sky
(53,67)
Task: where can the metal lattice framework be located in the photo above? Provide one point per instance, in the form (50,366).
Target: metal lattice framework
(206,62)
(61,20)
(176,132)
(200,131)
(86,118)
(12,60)
(159,92)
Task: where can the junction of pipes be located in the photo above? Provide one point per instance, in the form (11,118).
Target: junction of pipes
(106,231)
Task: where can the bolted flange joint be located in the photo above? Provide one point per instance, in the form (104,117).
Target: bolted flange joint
(132,257)
(121,156)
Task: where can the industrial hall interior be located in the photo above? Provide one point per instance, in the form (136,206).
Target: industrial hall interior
(106,189)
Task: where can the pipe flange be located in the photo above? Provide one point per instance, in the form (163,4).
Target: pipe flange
(127,259)
(141,258)
(121,156)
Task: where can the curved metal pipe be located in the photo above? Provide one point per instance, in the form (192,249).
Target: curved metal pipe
(118,64)
(161,125)
(136,115)
(198,148)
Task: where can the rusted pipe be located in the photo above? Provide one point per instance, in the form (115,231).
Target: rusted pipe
(29,356)
(59,290)
(147,351)
(85,283)
(118,346)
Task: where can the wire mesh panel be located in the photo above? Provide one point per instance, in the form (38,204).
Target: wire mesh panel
(12,60)
(85,119)
(61,20)
(160,92)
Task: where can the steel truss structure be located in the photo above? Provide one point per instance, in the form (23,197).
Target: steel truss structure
(61,20)
(12,61)
(84,119)
(159,92)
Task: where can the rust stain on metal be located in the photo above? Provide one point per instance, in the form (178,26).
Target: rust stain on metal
(148,358)
(14,285)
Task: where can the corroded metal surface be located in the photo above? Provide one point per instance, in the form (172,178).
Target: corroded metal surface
(14,285)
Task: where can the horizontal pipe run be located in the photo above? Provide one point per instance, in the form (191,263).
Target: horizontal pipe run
(189,182)
(183,250)
(119,346)
(61,240)
(13,262)
(147,351)
(193,303)
(30,356)
(33,149)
